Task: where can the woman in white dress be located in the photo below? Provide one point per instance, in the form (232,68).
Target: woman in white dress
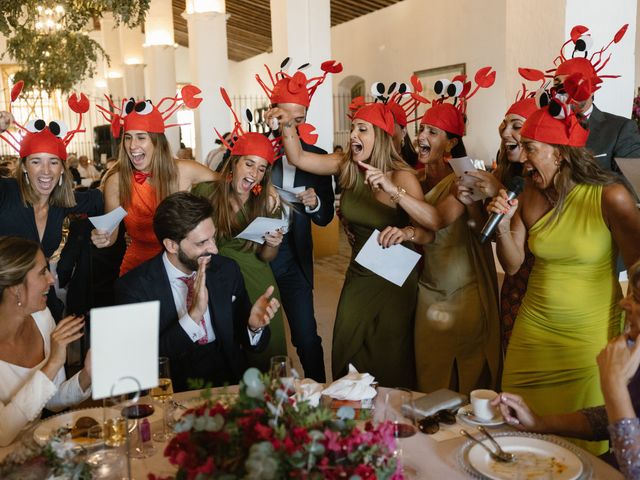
(33,349)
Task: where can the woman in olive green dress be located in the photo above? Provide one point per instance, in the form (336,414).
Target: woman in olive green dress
(243,193)
(374,322)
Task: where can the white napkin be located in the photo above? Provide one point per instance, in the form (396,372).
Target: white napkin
(309,390)
(353,386)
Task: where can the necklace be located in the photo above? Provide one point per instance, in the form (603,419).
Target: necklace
(552,201)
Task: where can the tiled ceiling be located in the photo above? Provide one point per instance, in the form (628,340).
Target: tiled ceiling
(249,24)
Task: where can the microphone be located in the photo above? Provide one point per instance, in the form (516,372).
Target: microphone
(515,187)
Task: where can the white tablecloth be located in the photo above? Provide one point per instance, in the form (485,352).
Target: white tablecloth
(430,458)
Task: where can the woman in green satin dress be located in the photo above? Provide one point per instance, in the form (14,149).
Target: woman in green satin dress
(374,322)
(244,193)
(576,218)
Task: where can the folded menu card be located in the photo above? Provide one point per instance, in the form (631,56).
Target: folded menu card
(256,230)
(124,348)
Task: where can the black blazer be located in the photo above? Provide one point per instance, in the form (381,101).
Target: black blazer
(229,307)
(299,235)
(612,136)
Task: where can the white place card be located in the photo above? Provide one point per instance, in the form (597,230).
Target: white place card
(109,221)
(467,164)
(289,194)
(124,346)
(394,263)
(260,226)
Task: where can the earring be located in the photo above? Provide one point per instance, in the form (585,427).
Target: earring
(229,177)
(256,189)
(19,302)
(60,181)
(26,177)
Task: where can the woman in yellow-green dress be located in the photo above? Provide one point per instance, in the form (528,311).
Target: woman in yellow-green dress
(577,218)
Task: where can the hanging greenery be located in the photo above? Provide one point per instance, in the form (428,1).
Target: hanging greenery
(60,59)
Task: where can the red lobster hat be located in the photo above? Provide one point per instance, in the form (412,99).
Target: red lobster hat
(296,88)
(146,116)
(555,122)
(249,143)
(390,105)
(39,137)
(589,67)
(525,103)
(450,116)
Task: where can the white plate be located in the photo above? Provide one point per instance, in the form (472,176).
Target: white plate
(535,458)
(48,426)
(466,415)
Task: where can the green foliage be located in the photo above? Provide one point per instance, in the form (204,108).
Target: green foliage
(61,60)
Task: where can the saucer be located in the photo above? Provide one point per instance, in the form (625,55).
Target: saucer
(465,414)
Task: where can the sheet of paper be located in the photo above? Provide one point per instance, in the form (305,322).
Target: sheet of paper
(124,345)
(466,164)
(289,193)
(109,221)
(261,225)
(394,263)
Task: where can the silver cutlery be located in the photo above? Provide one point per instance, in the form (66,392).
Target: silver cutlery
(501,452)
(497,457)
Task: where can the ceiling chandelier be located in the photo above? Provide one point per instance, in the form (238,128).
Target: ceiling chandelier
(48,20)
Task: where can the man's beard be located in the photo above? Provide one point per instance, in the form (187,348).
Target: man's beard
(190,263)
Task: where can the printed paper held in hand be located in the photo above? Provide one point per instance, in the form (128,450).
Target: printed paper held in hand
(290,193)
(109,221)
(467,164)
(124,346)
(394,263)
(256,230)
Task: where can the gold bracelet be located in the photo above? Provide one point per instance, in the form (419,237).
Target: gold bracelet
(413,235)
(395,198)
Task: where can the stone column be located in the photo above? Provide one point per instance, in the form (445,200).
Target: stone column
(301,29)
(209,67)
(131,41)
(159,56)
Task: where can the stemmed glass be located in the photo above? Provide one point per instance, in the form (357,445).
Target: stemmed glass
(162,393)
(281,371)
(399,410)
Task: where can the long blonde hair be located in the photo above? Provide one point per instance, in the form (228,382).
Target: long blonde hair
(222,198)
(577,166)
(61,195)
(164,170)
(383,157)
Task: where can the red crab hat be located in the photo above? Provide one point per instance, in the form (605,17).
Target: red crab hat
(525,103)
(296,88)
(401,98)
(38,136)
(580,61)
(378,114)
(555,122)
(248,142)
(146,116)
(450,116)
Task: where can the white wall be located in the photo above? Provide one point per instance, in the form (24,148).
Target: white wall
(603,20)
(242,75)
(392,43)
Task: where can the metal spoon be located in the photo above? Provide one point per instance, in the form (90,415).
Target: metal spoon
(501,452)
(492,454)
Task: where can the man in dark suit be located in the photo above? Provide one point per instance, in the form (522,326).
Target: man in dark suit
(293,267)
(206,318)
(610,135)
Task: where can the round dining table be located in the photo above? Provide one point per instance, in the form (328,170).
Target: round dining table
(425,456)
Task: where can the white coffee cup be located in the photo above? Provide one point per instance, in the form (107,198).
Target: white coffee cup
(481,404)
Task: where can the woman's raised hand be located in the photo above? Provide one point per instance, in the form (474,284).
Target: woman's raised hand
(393,236)
(502,204)
(376,179)
(485,182)
(102,238)
(273,239)
(68,330)
(275,117)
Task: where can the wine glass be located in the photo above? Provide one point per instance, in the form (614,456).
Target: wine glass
(399,410)
(162,393)
(142,447)
(281,371)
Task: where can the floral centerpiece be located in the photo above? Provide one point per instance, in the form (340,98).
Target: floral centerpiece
(268,434)
(57,459)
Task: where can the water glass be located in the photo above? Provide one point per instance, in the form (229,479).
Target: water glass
(161,394)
